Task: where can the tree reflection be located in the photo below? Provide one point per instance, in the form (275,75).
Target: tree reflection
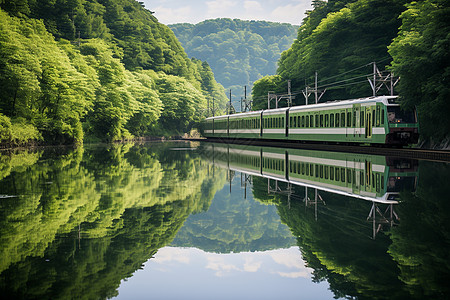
(86,219)
(410,261)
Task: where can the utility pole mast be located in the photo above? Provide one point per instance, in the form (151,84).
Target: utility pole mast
(289,93)
(387,81)
(315,88)
(229,112)
(316,91)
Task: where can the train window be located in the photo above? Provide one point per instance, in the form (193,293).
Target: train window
(282,122)
(382,182)
(307,121)
(311,169)
(332,120)
(316,118)
(382,117)
(321,171)
(307,169)
(337,119)
(317,171)
(349,119)
(362,119)
(311,121)
(336,174)
(303,168)
(354,119)
(326,172)
(342,119)
(321,120)
(343,174)
(331,173)
(291,121)
(327,119)
(349,176)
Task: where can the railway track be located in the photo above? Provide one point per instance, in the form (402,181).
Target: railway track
(413,153)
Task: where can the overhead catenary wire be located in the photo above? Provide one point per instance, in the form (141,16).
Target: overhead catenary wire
(336,84)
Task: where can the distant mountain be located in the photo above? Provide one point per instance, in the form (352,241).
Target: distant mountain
(239,52)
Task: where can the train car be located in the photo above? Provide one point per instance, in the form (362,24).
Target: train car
(374,120)
(368,177)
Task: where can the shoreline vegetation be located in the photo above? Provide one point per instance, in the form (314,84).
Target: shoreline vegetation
(96,70)
(107,70)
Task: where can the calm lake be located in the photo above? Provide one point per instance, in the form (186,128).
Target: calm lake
(214,221)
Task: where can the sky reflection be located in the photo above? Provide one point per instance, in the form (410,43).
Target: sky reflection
(190,273)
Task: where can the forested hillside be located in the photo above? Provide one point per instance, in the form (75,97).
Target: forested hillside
(239,52)
(340,40)
(106,69)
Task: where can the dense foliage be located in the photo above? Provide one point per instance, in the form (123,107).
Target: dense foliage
(340,40)
(105,68)
(77,223)
(422,60)
(239,52)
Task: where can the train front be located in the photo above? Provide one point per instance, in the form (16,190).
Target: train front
(403,128)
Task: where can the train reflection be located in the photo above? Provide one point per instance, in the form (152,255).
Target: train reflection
(377,179)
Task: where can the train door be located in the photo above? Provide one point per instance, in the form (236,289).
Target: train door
(347,121)
(368,176)
(228,126)
(357,172)
(368,123)
(357,120)
(212,127)
(286,124)
(261,125)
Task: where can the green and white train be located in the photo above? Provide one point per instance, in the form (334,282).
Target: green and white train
(374,120)
(368,177)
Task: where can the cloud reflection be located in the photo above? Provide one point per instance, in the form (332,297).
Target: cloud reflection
(286,263)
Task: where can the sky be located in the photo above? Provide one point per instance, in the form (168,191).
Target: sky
(189,273)
(195,11)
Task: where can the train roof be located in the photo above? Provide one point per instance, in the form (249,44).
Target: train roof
(387,100)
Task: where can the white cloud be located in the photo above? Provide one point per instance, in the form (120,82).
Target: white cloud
(252,6)
(288,258)
(252,266)
(300,274)
(219,8)
(290,13)
(166,15)
(218,264)
(171,254)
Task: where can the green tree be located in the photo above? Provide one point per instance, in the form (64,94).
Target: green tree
(421,58)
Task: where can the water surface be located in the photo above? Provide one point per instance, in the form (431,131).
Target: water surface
(202,221)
